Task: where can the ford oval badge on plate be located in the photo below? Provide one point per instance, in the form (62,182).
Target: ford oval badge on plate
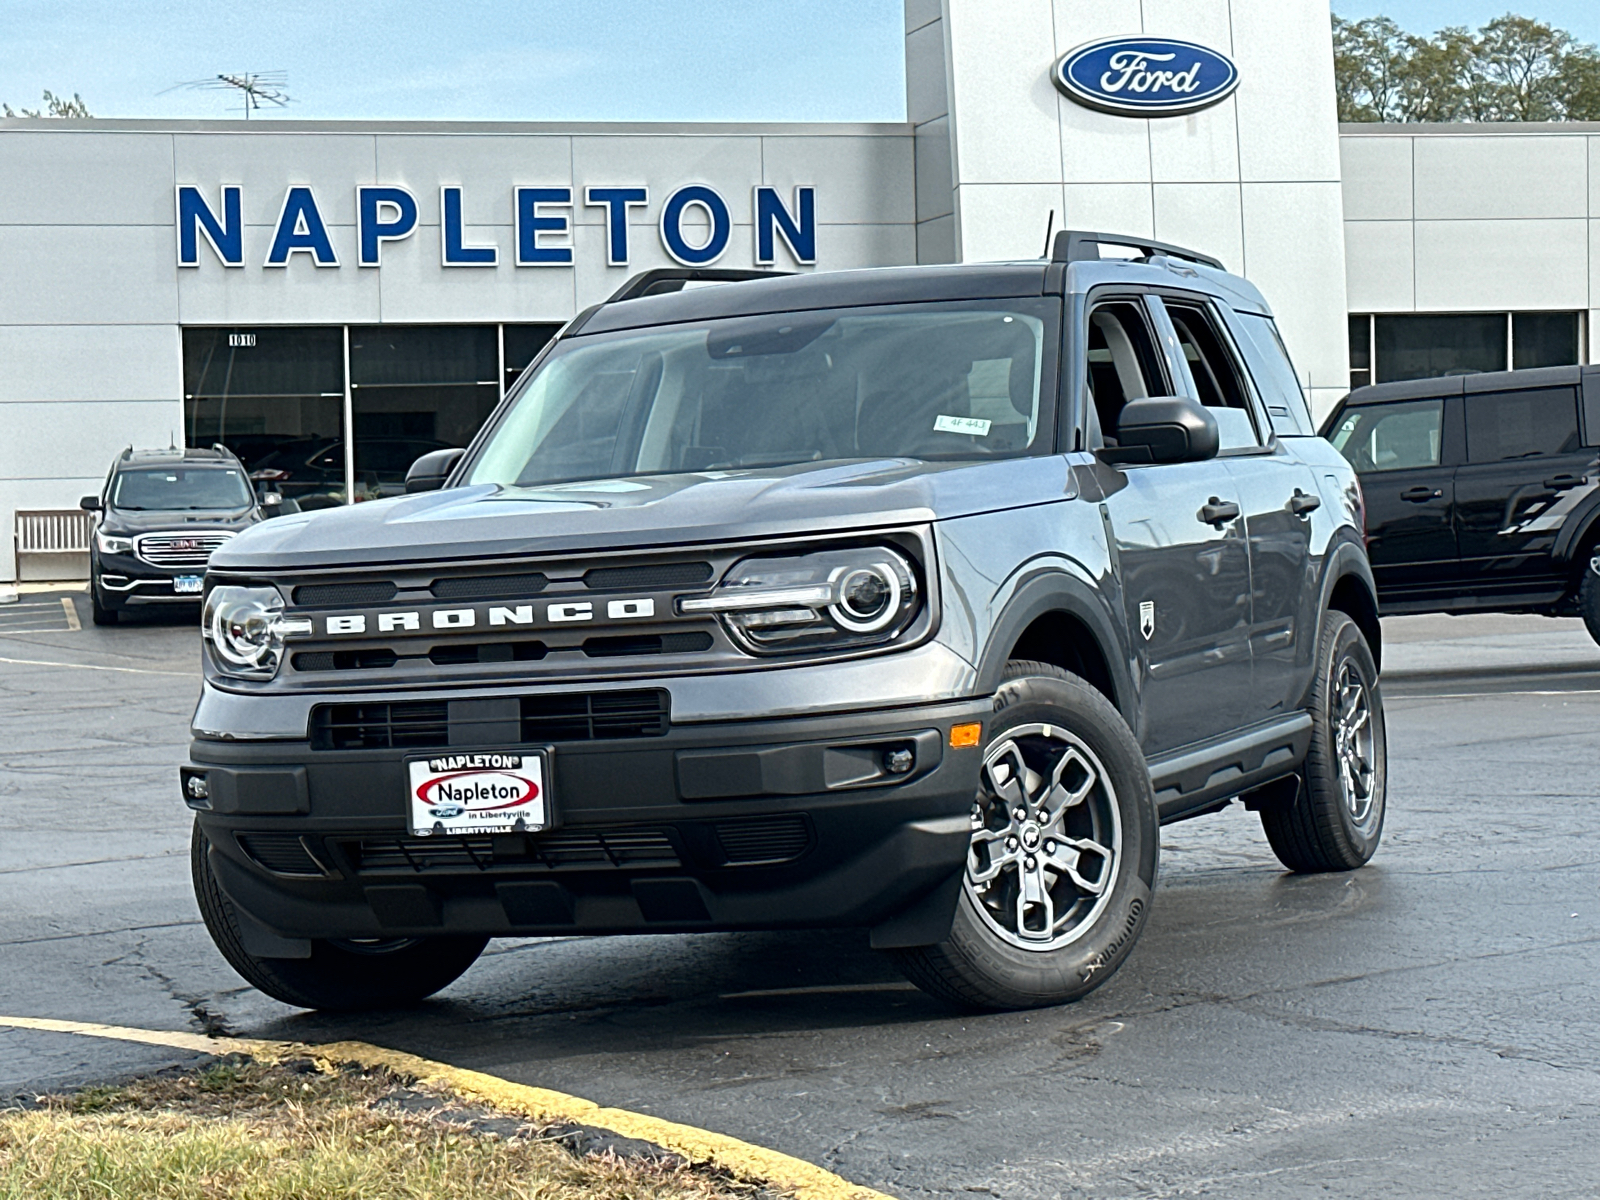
(1146,77)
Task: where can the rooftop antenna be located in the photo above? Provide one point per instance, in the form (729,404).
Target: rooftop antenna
(1049,226)
(254,88)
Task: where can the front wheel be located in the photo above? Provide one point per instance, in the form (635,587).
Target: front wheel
(1589,593)
(348,975)
(1063,856)
(1335,820)
(100,614)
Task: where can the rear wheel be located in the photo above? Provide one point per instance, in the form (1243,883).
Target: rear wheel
(1589,592)
(1335,821)
(347,974)
(1062,861)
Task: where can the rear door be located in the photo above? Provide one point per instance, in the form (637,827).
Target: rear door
(1398,450)
(1525,469)
(1186,580)
(1278,493)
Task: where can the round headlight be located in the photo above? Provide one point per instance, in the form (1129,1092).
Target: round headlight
(869,598)
(246,629)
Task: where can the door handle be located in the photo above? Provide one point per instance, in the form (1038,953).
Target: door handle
(1421,495)
(1561,483)
(1300,504)
(1219,511)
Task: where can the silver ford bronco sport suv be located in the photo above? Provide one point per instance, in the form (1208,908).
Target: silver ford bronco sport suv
(911,599)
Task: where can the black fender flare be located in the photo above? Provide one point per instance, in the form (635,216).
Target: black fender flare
(1345,560)
(1053,590)
(1576,528)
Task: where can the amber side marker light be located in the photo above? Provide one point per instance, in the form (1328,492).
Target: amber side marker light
(965,735)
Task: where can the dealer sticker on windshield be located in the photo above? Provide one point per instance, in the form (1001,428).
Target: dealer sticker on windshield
(477,793)
(976,426)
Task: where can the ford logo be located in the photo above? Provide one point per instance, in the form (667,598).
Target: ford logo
(1145,77)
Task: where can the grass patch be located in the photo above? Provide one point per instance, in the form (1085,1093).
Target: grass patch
(241,1129)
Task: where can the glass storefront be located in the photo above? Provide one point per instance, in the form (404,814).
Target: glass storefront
(277,397)
(1387,347)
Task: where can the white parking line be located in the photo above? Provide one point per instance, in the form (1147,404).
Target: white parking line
(39,662)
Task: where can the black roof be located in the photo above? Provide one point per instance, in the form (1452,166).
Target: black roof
(1486,381)
(824,289)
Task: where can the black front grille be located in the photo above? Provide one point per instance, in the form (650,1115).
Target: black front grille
(583,849)
(414,723)
(280,853)
(455,654)
(655,575)
(763,840)
(317,595)
(425,724)
(488,587)
(590,716)
(624,645)
(344,660)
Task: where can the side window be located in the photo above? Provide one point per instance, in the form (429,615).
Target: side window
(1527,424)
(1218,383)
(1123,365)
(1273,369)
(1391,437)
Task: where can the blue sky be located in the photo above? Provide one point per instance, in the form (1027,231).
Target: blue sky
(529,60)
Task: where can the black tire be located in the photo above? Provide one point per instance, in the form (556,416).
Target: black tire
(1589,592)
(1332,824)
(98,613)
(343,976)
(985,963)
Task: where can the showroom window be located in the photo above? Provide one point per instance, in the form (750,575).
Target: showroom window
(1387,347)
(277,397)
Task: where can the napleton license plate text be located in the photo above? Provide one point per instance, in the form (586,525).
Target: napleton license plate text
(477,793)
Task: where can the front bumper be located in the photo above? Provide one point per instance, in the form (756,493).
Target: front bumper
(719,826)
(123,581)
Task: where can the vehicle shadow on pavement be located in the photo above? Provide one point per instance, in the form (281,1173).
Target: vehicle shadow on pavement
(579,996)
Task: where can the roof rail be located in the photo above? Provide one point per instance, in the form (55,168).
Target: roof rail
(671,279)
(1076,245)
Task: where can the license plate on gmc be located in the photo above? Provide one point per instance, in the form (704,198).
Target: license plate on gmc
(481,792)
(188,585)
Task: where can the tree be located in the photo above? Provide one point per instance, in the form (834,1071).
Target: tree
(1513,69)
(54,106)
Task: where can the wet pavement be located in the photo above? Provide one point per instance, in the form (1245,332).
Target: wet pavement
(1427,1025)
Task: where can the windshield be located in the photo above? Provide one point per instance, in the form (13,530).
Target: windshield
(938,382)
(173,489)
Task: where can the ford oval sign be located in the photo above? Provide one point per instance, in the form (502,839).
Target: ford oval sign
(1146,77)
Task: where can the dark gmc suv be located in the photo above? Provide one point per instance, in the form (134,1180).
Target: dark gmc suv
(161,515)
(1482,491)
(911,599)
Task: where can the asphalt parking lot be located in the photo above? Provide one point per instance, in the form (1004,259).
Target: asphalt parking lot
(1429,1025)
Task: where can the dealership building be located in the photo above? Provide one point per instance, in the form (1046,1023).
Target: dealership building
(330,299)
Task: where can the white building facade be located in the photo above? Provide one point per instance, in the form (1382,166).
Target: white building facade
(312,293)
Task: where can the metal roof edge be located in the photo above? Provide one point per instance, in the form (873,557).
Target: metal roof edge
(435,128)
(1466,128)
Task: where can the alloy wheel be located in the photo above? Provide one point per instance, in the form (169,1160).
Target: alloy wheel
(1046,838)
(1353,742)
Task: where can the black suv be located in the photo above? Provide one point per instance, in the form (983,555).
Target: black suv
(912,599)
(1482,491)
(162,514)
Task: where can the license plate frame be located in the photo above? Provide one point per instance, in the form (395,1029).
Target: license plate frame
(479,796)
(188,585)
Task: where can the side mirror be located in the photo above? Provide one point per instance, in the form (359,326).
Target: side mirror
(90,504)
(430,471)
(1166,429)
(271,499)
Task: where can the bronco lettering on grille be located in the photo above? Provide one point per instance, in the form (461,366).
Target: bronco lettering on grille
(451,620)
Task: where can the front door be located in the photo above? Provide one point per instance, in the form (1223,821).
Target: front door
(1180,544)
(1525,471)
(1395,450)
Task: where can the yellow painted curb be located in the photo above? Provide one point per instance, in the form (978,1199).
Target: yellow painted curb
(779,1171)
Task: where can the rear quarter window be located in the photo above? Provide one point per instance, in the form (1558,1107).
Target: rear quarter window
(1273,371)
